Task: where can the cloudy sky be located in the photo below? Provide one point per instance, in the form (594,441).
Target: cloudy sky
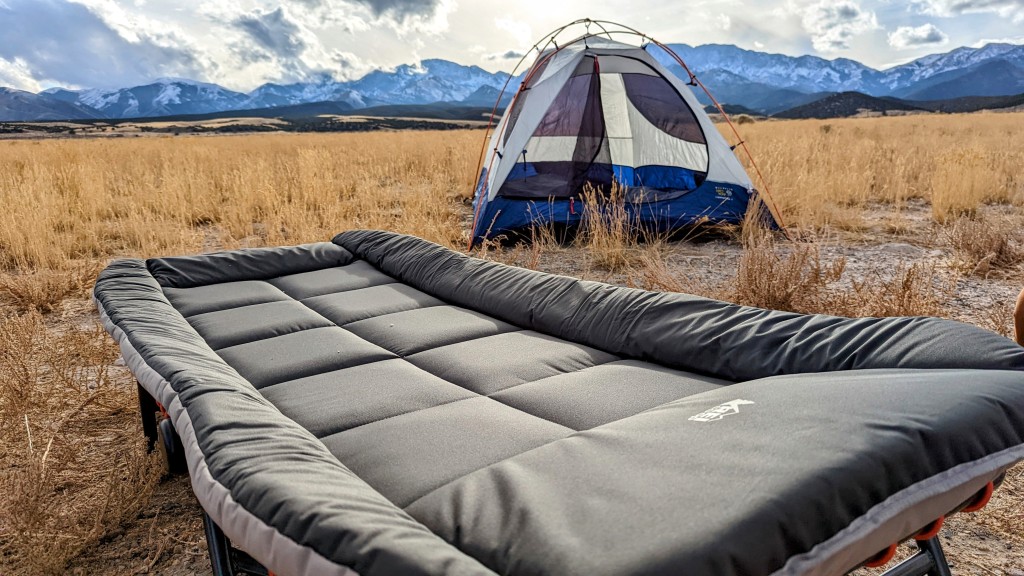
(243,43)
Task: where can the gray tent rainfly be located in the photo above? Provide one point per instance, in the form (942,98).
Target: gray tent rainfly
(381,405)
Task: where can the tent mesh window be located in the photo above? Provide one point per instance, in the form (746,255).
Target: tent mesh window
(570,147)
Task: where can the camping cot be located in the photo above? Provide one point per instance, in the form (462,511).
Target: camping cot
(381,405)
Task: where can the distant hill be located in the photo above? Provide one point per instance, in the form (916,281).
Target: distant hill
(40,107)
(437,111)
(847,104)
(732,110)
(972,103)
(992,78)
(486,96)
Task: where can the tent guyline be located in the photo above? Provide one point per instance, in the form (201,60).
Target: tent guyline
(598,113)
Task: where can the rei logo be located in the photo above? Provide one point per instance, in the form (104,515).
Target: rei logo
(720,411)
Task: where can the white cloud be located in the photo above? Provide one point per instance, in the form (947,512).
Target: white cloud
(401,16)
(1007,40)
(16,74)
(56,41)
(906,37)
(1012,9)
(279,47)
(833,24)
(520,31)
(724,22)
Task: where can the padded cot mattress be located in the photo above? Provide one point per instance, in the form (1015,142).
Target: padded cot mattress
(381,405)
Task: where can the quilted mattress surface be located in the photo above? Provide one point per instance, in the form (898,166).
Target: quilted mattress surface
(382,405)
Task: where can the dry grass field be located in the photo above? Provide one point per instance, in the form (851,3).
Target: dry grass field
(889,216)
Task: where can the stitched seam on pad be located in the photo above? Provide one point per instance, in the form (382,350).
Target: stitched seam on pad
(403,414)
(393,281)
(289,299)
(329,325)
(291,379)
(470,339)
(342,325)
(331,372)
(543,379)
(285,299)
(454,480)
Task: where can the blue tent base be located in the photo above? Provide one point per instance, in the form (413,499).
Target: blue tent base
(711,203)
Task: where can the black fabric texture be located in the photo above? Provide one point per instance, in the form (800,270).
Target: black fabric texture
(808,456)
(273,467)
(680,331)
(406,333)
(407,456)
(216,297)
(526,357)
(371,392)
(329,280)
(234,326)
(588,398)
(417,411)
(251,264)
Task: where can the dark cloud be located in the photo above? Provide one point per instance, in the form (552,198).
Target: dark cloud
(274,32)
(924,35)
(65,42)
(510,55)
(397,9)
(401,9)
(1013,9)
(290,47)
(832,24)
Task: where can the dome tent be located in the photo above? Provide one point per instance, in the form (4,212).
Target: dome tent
(599,112)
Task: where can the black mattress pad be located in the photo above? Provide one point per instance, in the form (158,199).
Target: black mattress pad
(382,405)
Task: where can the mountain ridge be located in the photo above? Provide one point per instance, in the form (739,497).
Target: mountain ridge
(764,82)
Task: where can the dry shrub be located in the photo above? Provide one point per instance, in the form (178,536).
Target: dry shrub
(767,277)
(794,277)
(998,318)
(744,119)
(73,464)
(981,244)
(610,233)
(653,272)
(911,290)
(44,290)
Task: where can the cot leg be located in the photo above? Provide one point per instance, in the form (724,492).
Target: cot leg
(929,561)
(225,559)
(148,409)
(934,548)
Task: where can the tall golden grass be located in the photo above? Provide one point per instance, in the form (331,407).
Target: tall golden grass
(65,201)
(824,173)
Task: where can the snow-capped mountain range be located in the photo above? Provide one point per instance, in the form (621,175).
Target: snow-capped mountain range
(811,74)
(757,80)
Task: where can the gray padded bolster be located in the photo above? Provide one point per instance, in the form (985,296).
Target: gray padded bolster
(251,264)
(678,330)
(271,466)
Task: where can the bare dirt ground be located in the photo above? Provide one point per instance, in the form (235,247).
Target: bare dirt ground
(167,538)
